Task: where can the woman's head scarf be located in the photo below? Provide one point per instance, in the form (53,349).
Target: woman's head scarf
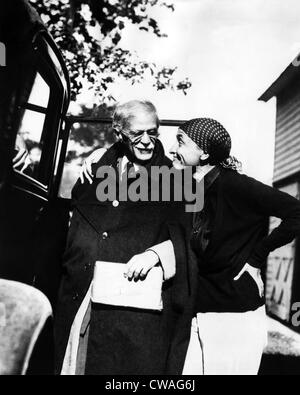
(214,140)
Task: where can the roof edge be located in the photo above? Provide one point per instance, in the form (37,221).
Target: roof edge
(291,72)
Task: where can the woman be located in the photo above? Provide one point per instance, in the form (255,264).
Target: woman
(230,245)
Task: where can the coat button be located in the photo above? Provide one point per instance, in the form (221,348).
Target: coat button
(87,267)
(105,236)
(116,203)
(75,297)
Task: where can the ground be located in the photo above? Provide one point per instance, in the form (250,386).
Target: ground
(282,356)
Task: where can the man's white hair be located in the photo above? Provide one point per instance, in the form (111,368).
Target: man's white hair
(124,113)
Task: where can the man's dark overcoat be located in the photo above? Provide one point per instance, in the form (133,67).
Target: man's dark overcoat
(124,341)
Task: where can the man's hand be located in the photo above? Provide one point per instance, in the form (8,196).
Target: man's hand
(21,159)
(256,275)
(86,170)
(140,265)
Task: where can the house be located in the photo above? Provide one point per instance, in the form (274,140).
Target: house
(283,268)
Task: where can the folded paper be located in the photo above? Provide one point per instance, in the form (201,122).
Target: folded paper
(111,287)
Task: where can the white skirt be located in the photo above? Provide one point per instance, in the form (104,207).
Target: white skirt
(227,343)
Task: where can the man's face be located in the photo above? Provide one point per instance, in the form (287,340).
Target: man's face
(185,152)
(142,134)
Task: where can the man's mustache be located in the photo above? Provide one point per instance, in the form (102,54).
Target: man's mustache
(142,147)
(153,141)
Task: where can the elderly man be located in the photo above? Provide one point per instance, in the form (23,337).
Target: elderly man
(101,339)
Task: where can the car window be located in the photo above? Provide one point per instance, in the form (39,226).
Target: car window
(40,92)
(30,135)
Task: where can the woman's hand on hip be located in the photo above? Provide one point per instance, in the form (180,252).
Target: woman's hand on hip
(256,275)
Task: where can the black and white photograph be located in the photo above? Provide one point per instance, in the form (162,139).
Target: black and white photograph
(149,190)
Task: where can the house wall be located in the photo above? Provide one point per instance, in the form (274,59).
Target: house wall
(287,146)
(282,268)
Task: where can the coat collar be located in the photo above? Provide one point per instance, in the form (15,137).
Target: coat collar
(209,178)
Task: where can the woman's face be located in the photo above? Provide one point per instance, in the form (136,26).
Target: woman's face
(185,152)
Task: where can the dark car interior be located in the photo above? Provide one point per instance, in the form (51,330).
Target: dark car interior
(30,216)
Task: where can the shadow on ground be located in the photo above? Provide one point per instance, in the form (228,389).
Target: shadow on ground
(280,365)
(282,356)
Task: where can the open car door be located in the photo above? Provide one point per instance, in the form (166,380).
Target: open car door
(34,98)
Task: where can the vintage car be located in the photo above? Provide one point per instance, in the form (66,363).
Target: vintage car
(33,223)
(35,93)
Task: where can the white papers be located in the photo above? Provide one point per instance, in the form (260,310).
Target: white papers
(110,287)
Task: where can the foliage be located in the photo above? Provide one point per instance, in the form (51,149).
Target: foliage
(89,34)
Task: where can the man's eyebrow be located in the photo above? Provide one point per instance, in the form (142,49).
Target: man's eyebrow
(147,131)
(152,130)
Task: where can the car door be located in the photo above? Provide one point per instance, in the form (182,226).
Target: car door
(34,98)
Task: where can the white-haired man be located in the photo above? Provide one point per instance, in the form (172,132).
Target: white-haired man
(98,339)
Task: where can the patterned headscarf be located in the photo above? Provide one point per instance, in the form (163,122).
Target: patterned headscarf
(214,140)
